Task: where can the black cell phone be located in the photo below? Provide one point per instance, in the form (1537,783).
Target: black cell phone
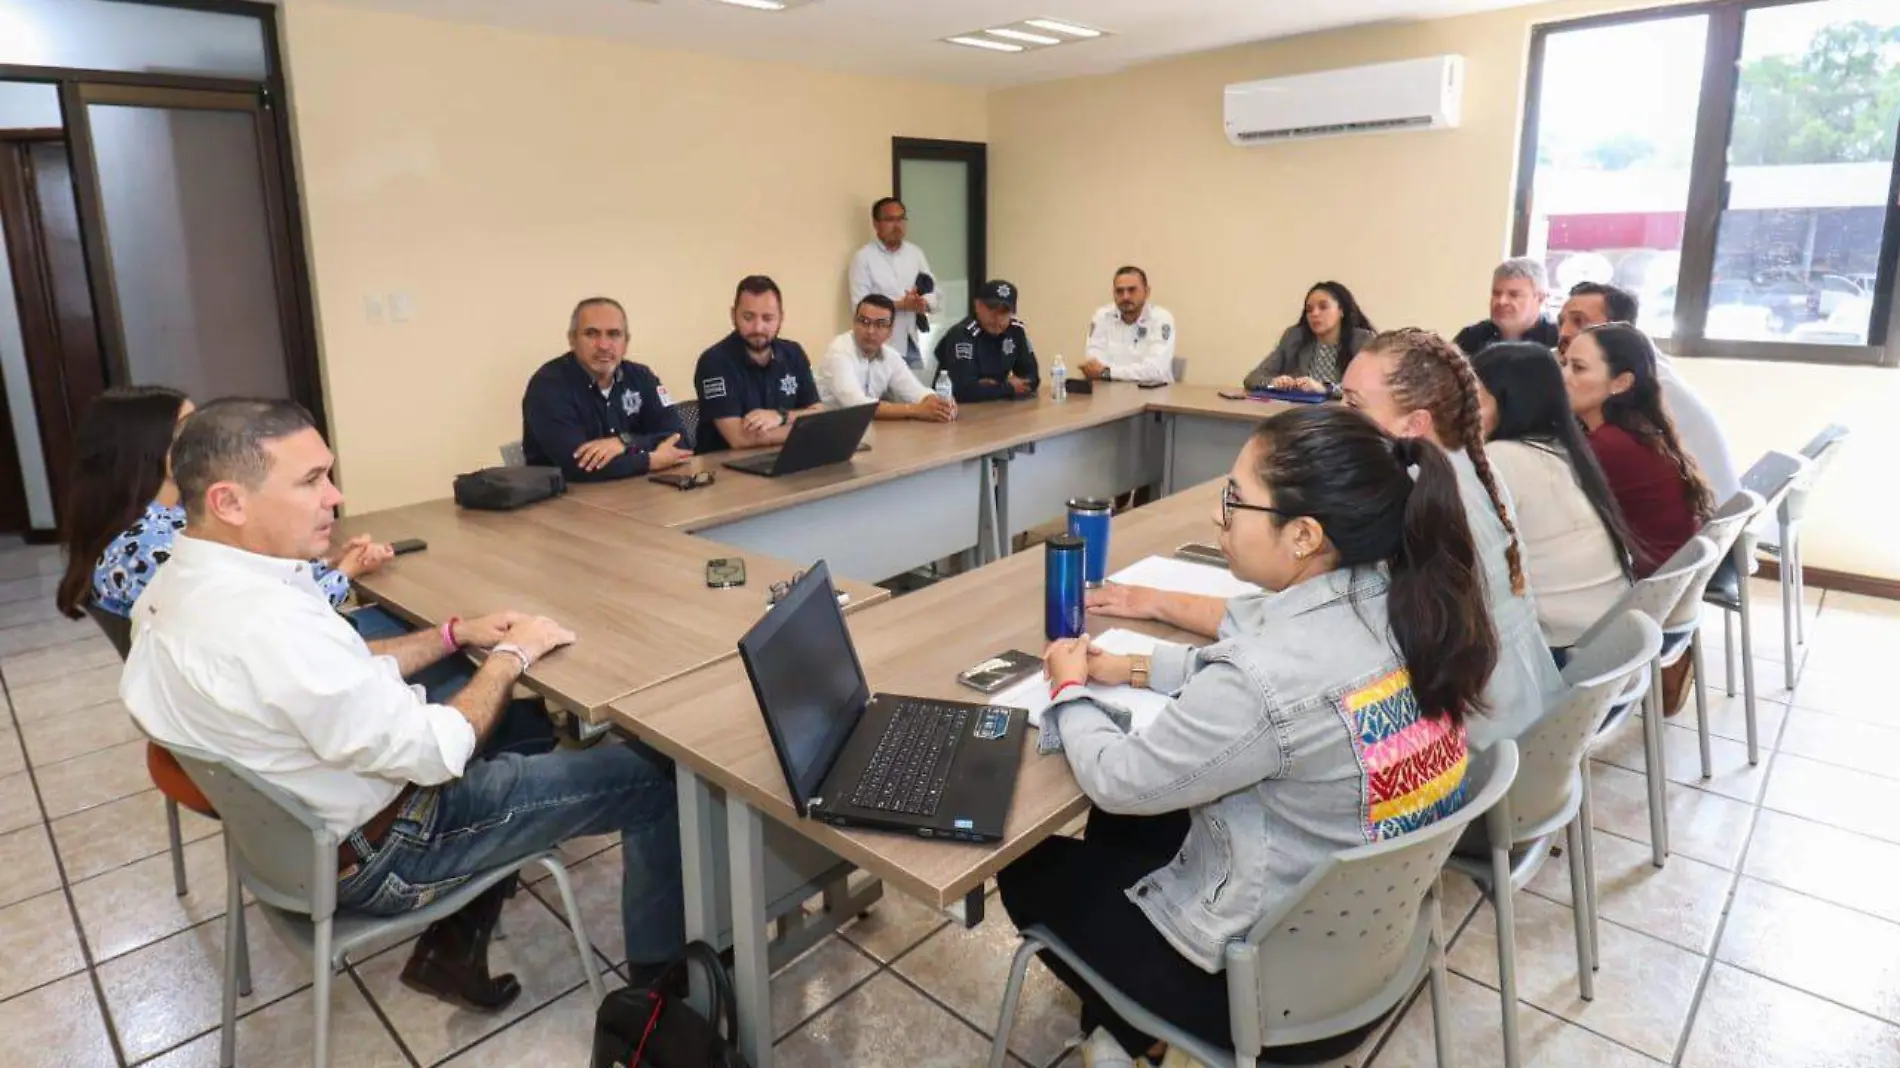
(1000,671)
(688,481)
(1201,553)
(408,545)
(1150,385)
(725,572)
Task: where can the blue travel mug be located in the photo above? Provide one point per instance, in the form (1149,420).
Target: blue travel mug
(1088,520)
(1062,566)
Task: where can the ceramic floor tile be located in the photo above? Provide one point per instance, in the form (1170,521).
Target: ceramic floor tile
(19,804)
(1745,1019)
(1732,775)
(1477,1036)
(1728,716)
(94,779)
(31,637)
(76,732)
(1851,800)
(1643,991)
(12,755)
(1814,946)
(1702,825)
(1856,692)
(1849,743)
(134,906)
(1826,862)
(170,991)
(538,950)
(814,981)
(57,1026)
(30,561)
(884,1022)
(28,610)
(63,693)
(558,1034)
(120,832)
(38,943)
(1680,903)
(967,969)
(597,887)
(34,588)
(278,1036)
(26,865)
(54,662)
(895,924)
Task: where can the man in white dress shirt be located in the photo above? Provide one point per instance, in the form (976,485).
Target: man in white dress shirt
(1131,340)
(861,367)
(236,652)
(893,267)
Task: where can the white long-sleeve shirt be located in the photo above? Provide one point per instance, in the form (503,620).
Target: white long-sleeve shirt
(1141,351)
(846,379)
(1701,434)
(876,269)
(241,655)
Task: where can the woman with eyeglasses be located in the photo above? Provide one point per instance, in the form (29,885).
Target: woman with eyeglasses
(1576,554)
(1341,690)
(1313,353)
(1610,374)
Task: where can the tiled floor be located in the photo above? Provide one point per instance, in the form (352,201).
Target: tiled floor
(1771,939)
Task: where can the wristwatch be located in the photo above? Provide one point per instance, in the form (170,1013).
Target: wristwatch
(1108,374)
(784,417)
(626,438)
(1138,666)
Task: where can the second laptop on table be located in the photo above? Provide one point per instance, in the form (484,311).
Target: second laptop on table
(816,440)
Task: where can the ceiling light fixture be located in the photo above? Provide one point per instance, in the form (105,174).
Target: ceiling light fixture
(979,42)
(1067,28)
(768,5)
(1020,35)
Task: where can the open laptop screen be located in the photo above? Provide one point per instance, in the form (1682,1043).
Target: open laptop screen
(806,677)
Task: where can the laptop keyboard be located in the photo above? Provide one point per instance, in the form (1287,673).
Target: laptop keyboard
(912,762)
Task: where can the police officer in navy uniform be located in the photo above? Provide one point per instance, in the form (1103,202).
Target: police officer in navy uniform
(595,414)
(988,355)
(752,385)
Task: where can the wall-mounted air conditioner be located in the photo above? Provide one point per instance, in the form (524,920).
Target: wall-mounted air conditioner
(1413,94)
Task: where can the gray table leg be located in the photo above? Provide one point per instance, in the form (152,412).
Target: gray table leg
(988,531)
(699,870)
(752,977)
(1167,454)
(1001,514)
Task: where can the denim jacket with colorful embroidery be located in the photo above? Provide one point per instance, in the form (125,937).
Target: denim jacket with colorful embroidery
(1293,736)
(133,557)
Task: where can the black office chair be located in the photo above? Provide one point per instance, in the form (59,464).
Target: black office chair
(689,419)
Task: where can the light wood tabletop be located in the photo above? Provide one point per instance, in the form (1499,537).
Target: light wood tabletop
(914,646)
(635,595)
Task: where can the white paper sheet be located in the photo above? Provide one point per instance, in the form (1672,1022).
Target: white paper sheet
(1142,705)
(1182,576)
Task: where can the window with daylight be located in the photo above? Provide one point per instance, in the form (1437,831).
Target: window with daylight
(1731,164)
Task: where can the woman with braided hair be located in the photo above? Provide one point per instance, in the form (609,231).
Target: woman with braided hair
(1415,384)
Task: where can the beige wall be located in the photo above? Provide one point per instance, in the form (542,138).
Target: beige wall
(496,176)
(1090,173)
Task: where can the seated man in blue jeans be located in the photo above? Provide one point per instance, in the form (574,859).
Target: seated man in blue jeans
(235,651)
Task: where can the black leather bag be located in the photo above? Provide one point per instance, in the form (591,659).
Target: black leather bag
(501,489)
(655,1028)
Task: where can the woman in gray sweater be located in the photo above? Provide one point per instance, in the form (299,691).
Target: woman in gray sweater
(1314,352)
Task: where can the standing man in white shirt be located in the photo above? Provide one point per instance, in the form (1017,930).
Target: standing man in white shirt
(893,267)
(861,367)
(1131,340)
(236,652)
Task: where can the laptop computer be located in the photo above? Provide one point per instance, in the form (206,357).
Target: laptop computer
(933,768)
(816,440)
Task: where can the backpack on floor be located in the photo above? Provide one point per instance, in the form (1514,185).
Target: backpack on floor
(657,1028)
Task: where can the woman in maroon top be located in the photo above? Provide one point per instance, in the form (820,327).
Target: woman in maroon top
(1610,373)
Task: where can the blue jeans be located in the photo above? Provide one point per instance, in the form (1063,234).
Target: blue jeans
(523,795)
(441,680)
(374,624)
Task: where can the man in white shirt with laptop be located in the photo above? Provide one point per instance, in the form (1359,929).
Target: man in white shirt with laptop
(893,267)
(861,367)
(236,652)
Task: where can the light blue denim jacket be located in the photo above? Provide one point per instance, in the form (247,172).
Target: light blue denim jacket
(1273,743)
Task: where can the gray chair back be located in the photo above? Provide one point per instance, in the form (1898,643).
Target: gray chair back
(1179,368)
(1549,784)
(1721,530)
(117,628)
(289,855)
(1819,452)
(1658,595)
(1771,474)
(1345,946)
(688,412)
(513,456)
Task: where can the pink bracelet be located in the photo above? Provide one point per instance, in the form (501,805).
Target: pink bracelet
(448,635)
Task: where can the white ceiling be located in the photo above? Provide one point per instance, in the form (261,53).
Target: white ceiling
(901,38)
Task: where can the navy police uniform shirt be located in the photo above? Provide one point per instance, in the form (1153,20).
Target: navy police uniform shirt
(730,384)
(563,408)
(1478,336)
(970,355)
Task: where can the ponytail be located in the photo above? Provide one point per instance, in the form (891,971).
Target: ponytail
(1437,609)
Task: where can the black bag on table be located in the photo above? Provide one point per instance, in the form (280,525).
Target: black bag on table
(654,1028)
(501,489)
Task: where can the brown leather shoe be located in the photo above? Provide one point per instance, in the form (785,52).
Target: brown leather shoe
(450,961)
(1675,686)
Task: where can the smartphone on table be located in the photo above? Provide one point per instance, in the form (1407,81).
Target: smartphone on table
(725,572)
(407,546)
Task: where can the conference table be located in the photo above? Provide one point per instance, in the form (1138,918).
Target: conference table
(622,564)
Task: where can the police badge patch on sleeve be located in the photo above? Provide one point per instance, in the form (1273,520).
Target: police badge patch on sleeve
(712,388)
(1167,331)
(966,351)
(666,399)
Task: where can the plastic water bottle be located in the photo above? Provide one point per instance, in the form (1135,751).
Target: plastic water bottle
(1059,380)
(948,395)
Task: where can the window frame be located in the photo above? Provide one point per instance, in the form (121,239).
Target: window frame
(1708,180)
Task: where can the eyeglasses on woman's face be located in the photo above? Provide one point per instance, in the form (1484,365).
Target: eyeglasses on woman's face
(1230,503)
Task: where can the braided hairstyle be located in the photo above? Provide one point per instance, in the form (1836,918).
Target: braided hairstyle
(1639,410)
(1431,375)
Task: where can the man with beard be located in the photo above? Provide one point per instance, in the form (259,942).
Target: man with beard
(753,385)
(1131,340)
